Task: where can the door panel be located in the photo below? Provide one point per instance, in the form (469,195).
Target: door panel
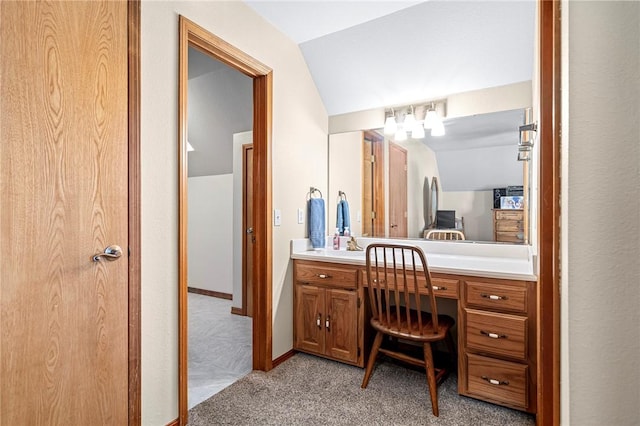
(249,238)
(341,340)
(397,191)
(64,198)
(309,317)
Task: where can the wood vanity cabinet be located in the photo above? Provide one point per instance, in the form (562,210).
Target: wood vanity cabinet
(498,342)
(508,225)
(328,311)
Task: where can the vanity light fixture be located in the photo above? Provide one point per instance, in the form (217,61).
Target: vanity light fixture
(418,131)
(409,120)
(431,118)
(390,125)
(401,135)
(438,128)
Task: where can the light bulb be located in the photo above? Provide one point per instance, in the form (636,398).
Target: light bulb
(430,119)
(390,125)
(401,135)
(438,129)
(409,120)
(417,132)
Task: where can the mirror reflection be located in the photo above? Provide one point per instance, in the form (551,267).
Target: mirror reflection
(406,188)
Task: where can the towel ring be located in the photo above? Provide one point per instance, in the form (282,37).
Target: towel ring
(342,196)
(312,190)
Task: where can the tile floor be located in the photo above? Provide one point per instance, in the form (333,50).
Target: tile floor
(219,346)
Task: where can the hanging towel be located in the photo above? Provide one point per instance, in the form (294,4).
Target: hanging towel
(346,221)
(317,233)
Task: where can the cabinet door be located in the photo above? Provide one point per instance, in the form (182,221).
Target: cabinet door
(341,324)
(309,318)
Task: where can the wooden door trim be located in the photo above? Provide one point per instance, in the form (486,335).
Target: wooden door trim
(194,35)
(245,148)
(549,215)
(135,385)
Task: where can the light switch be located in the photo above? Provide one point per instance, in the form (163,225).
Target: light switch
(277,217)
(300,216)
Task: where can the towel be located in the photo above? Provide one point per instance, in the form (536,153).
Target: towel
(342,217)
(316,222)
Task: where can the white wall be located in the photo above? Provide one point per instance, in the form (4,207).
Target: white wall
(345,174)
(210,233)
(299,159)
(601,215)
(475,207)
(421,164)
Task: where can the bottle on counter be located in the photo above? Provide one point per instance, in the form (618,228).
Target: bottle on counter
(336,240)
(346,233)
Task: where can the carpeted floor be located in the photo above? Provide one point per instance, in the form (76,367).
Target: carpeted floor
(308,390)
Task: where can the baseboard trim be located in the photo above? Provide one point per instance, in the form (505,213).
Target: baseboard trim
(176,422)
(218,294)
(282,358)
(237,311)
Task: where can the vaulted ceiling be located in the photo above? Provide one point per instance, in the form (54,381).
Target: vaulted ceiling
(371,54)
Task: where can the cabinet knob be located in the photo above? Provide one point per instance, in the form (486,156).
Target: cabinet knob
(435,287)
(319,321)
(495,382)
(326,322)
(492,296)
(493,335)
(324,276)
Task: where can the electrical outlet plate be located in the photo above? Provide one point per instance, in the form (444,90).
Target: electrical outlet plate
(300,216)
(277,217)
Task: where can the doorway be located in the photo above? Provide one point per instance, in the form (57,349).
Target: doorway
(192,35)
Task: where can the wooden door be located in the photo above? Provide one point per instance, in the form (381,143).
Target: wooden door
(341,324)
(309,318)
(397,191)
(249,236)
(373,185)
(64,198)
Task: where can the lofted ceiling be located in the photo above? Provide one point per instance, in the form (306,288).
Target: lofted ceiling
(371,54)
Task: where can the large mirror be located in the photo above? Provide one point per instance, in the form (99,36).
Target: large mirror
(401,189)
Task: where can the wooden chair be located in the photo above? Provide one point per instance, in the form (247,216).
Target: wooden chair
(444,234)
(395,274)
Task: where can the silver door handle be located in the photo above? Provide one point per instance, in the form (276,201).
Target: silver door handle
(249,230)
(110,253)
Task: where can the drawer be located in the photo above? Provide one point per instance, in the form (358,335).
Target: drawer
(327,274)
(498,381)
(509,226)
(497,334)
(442,287)
(497,296)
(509,215)
(510,237)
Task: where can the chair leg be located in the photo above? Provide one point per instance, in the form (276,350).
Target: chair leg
(431,378)
(372,359)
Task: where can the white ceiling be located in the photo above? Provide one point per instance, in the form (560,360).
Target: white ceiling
(371,54)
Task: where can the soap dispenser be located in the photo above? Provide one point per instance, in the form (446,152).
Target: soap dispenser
(336,240)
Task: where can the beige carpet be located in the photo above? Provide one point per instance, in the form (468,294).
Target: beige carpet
(308,390)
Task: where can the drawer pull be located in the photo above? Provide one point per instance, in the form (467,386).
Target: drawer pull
(435,287)
(493,296)
(324,276)
(496,382)
(493,335)
(319,321)
(327,321)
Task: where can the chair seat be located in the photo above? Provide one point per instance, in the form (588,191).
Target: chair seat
(428,334)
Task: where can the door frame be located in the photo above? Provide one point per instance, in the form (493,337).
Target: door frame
(191,34)
(134,227)
(548,377)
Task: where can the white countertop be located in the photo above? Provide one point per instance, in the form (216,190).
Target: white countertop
(506,261)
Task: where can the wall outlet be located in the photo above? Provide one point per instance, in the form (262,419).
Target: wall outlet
(300,216)
(277,217)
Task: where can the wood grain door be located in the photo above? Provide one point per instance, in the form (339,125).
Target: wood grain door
(341,324)
(373,185)
(249,236)
(309,318)
(64,198)
(397,191)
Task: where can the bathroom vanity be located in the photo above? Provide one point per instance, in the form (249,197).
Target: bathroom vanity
(493,284)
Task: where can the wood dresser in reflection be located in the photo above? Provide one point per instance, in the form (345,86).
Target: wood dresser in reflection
(508,226)
(496,326)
